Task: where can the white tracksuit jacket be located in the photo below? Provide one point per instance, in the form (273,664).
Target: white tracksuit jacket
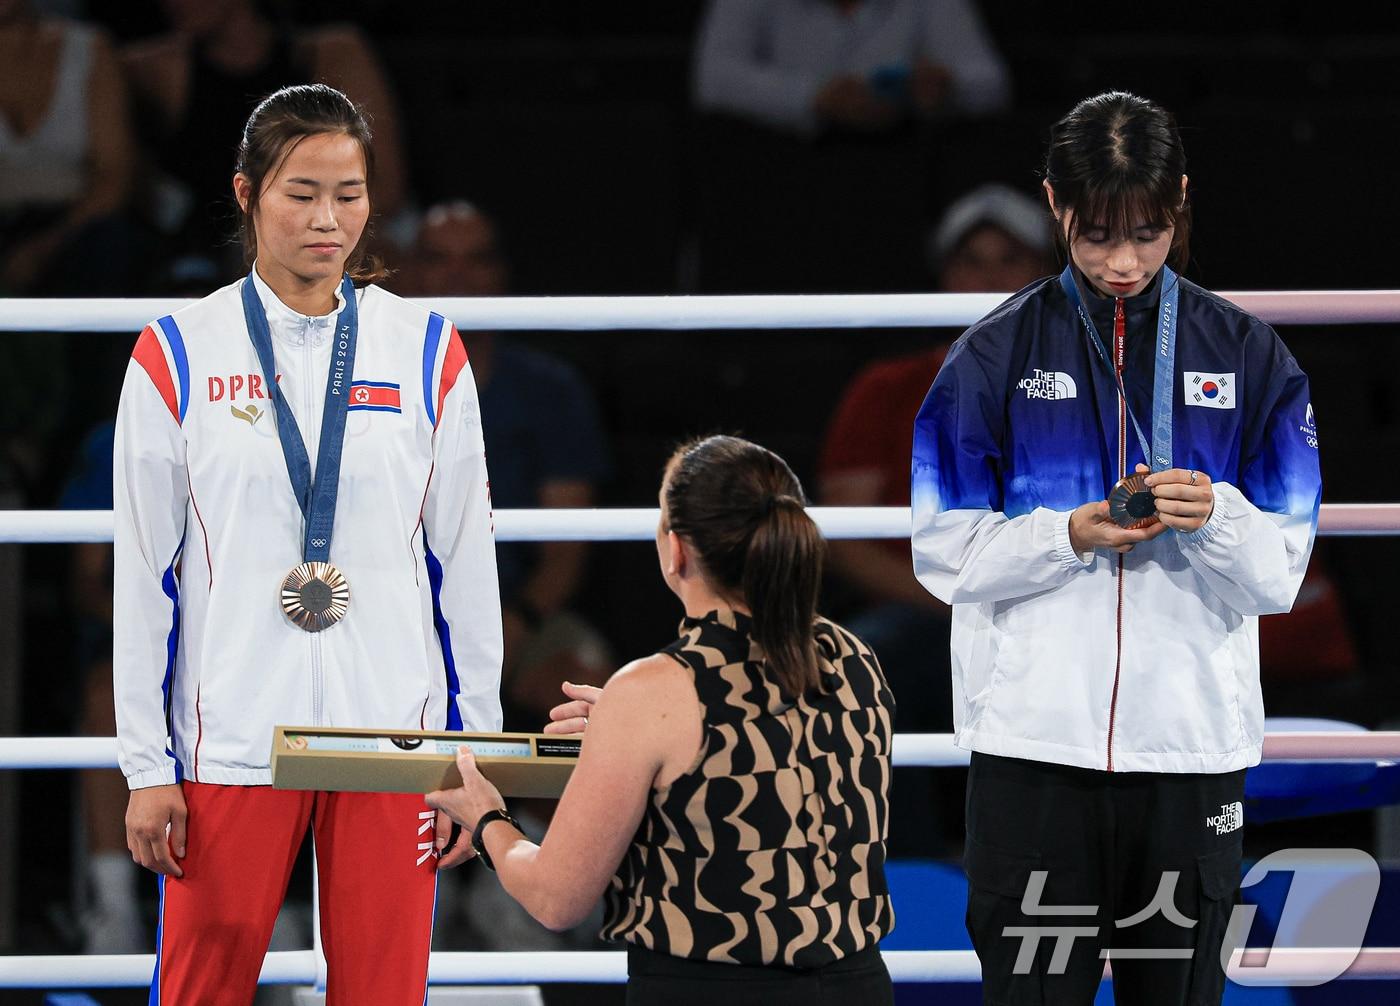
(204,660)
(1144,662)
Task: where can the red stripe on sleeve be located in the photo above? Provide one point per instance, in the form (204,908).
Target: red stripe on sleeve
(452,364)
(151,358)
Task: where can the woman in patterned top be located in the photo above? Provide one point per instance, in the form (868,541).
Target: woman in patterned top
(731,797)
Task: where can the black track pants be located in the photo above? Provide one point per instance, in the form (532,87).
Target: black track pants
(655,979)
(1160,851)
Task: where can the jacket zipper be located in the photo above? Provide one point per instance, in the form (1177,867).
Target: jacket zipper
(1119,342)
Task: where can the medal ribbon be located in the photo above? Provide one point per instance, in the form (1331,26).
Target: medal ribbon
(317,501)
(1159,457)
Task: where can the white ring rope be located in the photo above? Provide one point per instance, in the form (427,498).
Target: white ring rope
(639,523)
(687,313)
(927,750)
(610,967)
(533,314)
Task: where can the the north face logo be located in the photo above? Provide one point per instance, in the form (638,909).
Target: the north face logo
(1048,384)
(1230,818)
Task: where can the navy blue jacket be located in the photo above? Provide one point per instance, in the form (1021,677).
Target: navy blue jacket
(1148,661)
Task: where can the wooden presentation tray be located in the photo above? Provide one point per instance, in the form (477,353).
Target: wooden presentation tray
(418,761)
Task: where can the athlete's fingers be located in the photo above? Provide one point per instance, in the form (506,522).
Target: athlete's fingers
(1124,541)
(177,832)
(1185,524)
(160,859)
(1184,508)
(1115,536)
(1153,530)
(137,849)
(1097,511)
(1182,491)
(1186,476)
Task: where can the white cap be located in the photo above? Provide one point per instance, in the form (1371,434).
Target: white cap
(1019,215)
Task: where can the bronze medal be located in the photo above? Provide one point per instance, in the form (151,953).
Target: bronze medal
(1131,504)
(315,595)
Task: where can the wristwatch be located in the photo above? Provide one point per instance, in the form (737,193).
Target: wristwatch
(480,830)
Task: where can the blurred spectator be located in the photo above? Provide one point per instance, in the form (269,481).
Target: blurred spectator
(65,158)
(196,86)
(828,121)
(993,240)
(1313,643)
(65,163)
(109,915)
(799,65)
(545,448)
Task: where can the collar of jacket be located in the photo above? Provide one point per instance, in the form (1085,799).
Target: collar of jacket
(293,327)
(1138,310)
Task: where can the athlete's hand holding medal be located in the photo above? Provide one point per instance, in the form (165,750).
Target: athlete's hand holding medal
(1142,506)
(1184,499)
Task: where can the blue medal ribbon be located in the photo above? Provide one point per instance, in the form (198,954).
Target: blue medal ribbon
(317,501)
(1159,457)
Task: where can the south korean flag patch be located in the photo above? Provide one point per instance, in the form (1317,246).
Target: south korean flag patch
(1210,391)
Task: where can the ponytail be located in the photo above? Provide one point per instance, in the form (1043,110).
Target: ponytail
(743,510)
(782,577)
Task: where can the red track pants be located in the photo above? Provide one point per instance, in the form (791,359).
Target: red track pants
(378,879)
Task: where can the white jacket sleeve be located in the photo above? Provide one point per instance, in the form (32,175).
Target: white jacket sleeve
(965,547)
(150,491)
(1254,561)
(461,552)
(980,555)
(1254,549)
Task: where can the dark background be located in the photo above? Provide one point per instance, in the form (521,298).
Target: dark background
(572,125)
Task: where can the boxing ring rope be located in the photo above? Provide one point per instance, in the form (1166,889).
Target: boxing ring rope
(639,523)
(717,313)
(910,750)
(677,313)
(298,967)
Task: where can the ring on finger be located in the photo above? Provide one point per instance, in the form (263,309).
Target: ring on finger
(1194,476)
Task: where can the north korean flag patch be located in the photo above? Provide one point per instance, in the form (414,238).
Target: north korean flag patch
(374,396)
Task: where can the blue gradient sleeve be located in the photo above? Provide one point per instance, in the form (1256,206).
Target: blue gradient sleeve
(957,440)
(966,549)
(1254,549)
(1281,474)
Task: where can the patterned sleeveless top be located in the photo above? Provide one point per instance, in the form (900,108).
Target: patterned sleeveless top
(770,848)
